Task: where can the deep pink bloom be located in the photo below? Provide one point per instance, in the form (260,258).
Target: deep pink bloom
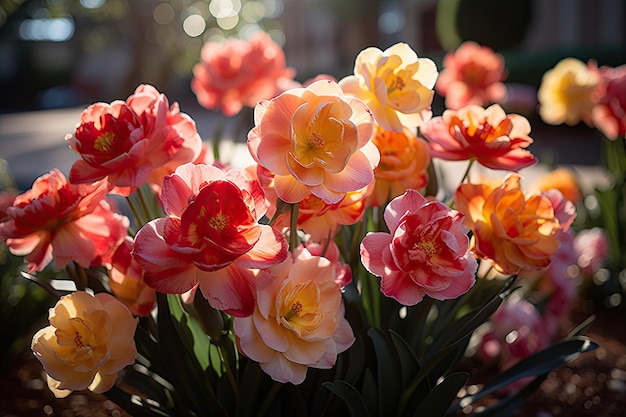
(609,114)
(472,74)
(210,237)
(425,253)
(490,136)
(237,73)
(132,142)
(70,222)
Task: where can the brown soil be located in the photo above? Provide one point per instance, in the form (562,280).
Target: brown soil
(594,384)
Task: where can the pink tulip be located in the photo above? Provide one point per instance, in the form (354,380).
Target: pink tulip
(472,74)
(237,73)
(425,253)
(493,138)
(210,237)
(133,142)
(67,221)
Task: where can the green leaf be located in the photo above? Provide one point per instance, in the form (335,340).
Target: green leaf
(408,362)
(351,397)
(135,405)
(507,406)
(190,331)
(442,395)
(388,372)
(540,363)
(192,390)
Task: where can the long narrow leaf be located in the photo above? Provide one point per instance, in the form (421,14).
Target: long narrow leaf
(540,363)
(439,399)
(351,397)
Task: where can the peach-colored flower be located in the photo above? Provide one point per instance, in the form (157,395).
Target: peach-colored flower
(567,92)
(298,321)
(425,253)
(126,281)
(472,74)
(318,219)
(609,114)
(236,73)
(395,84)
(132,142)
(89,340)
(316,141)
(330,251)
(493,138)
(404,160)
(210,237)
(70,222)
(564,180)
(515,230)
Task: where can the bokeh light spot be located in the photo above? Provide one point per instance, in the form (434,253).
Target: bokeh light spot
(92,4)
(163,13)
(228,22)
(194,25)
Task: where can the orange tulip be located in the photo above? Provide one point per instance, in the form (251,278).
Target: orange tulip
(403,163)
(514,230)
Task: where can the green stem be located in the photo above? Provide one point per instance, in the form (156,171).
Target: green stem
(466,174)
(80,278)
(269,399)
(229,371)
(293,227)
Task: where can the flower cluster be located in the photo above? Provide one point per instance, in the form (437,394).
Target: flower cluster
(332,255)
(573,91)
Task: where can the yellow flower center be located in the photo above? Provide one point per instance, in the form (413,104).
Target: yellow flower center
(296,310)
(428,248)
(78,340)
(397,83)
(300,308)
(219,221)
(316,141)
(104,142)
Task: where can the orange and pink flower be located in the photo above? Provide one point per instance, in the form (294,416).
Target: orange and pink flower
(426,251)
(472,74)
(395,84)
(493,138)
(298,320)
(316,141)
(89,340)
(210,238)
(609,114)
(126,281)
(514,230)
(237,73)
(66,221)
(404,160)
(132,142)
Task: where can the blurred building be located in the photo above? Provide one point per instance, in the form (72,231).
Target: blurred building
(60,53)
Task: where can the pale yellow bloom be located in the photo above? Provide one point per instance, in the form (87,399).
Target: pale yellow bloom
(395,84)
(566,93)
(89,340)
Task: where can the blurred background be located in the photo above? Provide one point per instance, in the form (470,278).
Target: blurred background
(58,56)
(65,53)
